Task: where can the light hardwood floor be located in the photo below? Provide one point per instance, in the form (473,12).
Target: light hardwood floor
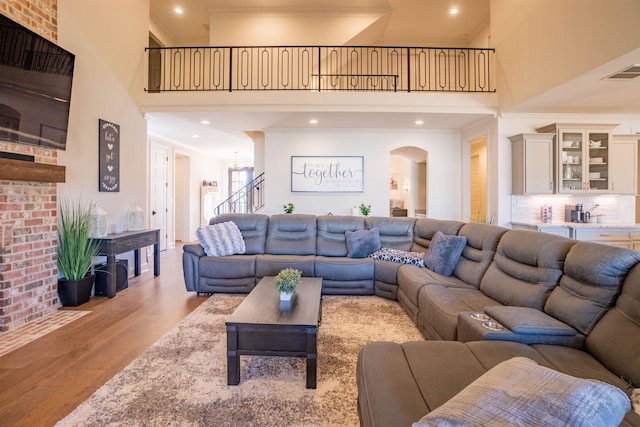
(41,382)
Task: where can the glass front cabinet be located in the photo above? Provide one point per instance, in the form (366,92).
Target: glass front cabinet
(583,162)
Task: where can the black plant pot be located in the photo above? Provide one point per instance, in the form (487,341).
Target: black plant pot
(73,293)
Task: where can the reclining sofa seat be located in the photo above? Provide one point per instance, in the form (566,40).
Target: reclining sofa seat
(340,274)
(482,242)
(228,274)
(291,243)
(400,383)
(526,266)
(396,233)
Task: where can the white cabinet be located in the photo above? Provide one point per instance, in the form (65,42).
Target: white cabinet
(623,160)
(583,157)
(621,237)
(532,164)
(559,230)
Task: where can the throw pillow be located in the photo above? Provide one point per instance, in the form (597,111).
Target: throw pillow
(521,392)
(398,255)
(361,243)
(221,239)
(444,252)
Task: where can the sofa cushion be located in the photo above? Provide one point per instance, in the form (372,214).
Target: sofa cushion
(252,226)
(331,239)
(399,256)
(526,267)
(425,228)
(444,252)
(482,242)
(394,232)
(593,276)
(291,234)
(521,392)
(221,239)
(619,329)
(361,243)
(440,306)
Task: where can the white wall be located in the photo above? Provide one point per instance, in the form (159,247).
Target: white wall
(108,39)
(374,145)
(589,32)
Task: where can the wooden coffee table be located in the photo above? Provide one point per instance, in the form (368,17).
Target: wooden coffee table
(263,325)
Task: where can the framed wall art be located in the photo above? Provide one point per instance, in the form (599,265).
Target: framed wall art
(109,162)
(335,174)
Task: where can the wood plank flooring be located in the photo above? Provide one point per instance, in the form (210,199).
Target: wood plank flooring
(41,382)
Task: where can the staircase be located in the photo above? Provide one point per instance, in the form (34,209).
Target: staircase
(248,199)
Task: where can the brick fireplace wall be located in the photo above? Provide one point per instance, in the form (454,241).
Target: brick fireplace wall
(28,217)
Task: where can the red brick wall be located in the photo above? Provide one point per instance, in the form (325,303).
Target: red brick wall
(28,218)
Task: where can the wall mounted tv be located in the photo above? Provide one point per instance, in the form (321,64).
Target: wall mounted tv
(35,87)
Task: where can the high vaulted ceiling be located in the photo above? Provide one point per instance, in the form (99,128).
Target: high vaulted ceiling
(408,22)
(380,22)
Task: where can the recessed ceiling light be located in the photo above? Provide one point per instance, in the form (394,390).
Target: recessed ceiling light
(205,122)
(419,122)
(453,11)
(313,121)
(195,136)
(178,10)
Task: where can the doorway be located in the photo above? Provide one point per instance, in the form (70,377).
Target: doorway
(408,183)
(158,191)
(478,181)
(182,165)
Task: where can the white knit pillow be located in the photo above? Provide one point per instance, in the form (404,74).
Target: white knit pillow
(221,239)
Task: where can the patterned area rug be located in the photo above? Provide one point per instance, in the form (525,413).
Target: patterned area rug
(182,379)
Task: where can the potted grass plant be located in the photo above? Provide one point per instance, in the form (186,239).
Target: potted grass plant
(286,282)
(75,252)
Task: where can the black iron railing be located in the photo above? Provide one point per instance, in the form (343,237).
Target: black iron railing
(320,68)
(248,199)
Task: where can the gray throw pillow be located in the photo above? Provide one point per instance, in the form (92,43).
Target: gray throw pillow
(519,392)
(361,243)
(444,252)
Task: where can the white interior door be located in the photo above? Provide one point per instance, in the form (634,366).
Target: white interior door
(159,190)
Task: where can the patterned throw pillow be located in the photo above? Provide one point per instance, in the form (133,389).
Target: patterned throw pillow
(398,255)
(221,239)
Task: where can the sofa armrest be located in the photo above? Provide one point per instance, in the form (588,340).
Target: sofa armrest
(519,324)
(190,261)
(195,249)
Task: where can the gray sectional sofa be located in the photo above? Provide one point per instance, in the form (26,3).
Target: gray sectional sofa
(570,306)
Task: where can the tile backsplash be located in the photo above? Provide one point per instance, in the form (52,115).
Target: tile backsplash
(619,209)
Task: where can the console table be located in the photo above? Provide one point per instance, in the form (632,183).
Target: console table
(114,244)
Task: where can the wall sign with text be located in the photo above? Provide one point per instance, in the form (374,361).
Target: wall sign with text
(329,174)
(109,162)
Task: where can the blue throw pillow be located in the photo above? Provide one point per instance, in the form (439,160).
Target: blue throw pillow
(361,243)
(444,252)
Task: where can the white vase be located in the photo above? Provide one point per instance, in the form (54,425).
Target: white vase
(285,296)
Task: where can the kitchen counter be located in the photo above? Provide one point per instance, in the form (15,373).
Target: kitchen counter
(577,224)
(626,235)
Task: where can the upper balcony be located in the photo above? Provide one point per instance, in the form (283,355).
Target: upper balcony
(320,69)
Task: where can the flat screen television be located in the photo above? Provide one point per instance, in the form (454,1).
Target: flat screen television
(35,87)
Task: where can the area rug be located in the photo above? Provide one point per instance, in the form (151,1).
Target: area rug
(182,379)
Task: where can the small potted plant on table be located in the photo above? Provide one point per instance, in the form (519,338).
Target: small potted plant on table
(286,282)
(75,253)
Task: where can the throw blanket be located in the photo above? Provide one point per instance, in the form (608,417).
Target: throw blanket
(221,239)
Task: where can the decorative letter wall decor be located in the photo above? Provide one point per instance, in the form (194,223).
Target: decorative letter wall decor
(109,140)
(328,174)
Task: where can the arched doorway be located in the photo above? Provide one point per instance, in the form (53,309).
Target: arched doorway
(408,183)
